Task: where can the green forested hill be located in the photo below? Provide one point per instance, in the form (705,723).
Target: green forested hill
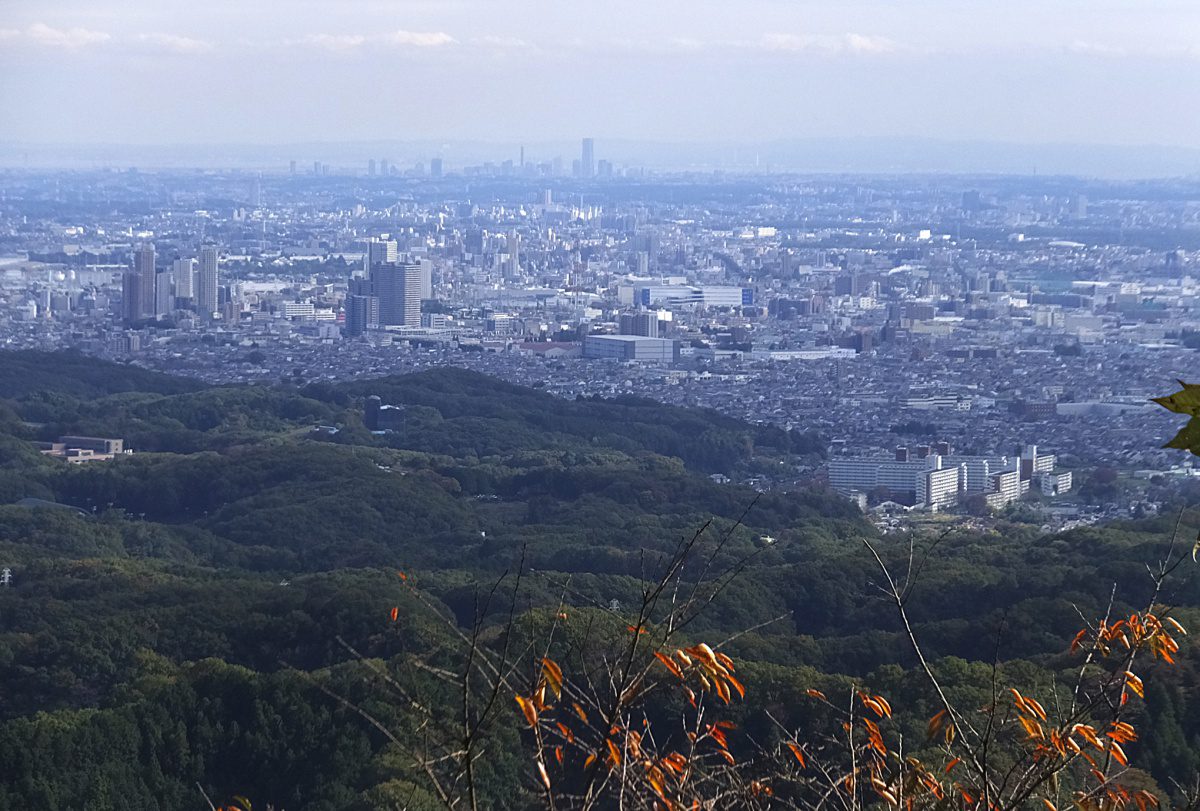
(26,372)
(481,415)
(186,625)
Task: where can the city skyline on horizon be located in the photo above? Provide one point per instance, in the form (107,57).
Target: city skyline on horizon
(1115,73)
(613,158)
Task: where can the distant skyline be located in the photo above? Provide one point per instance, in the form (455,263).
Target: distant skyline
(1111,72)
(849,155)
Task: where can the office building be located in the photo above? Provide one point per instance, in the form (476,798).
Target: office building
(643,324)
(381,252)
(398,288)
(164,293)
(587,160)
(184,273)
(378,416)
(939,402)
(80,449)
(511,267)
(144,260)
(298,309)
(499,324)
(426,279)
(207,281)
(131,292)
(362,314)
(631,348)
(671,295)
(435,167)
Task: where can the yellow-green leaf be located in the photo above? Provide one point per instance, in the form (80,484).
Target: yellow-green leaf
(1184,401)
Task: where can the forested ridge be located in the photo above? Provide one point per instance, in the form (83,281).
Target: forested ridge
(197,617)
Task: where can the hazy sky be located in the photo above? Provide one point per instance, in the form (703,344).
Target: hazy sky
(155,71)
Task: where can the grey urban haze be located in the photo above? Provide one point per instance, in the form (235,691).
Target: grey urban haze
(754,74)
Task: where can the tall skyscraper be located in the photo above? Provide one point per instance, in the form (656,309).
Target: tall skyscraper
(206,281)
(435,167)
(426,279)
(362,308)
(184,271)
(398,288)
(587,160)
(358,313)
(143,265)
(164,293)
(513,268)
(131,291)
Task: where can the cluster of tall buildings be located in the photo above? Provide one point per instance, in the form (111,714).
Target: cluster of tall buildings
(587,166)
(389,293)
(151,290)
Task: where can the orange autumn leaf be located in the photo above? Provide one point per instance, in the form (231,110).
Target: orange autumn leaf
(553,674)
(669,664)
(936,723)
(1118,753)
(528,708)
(1135,684)
(797,753)
(614,754)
